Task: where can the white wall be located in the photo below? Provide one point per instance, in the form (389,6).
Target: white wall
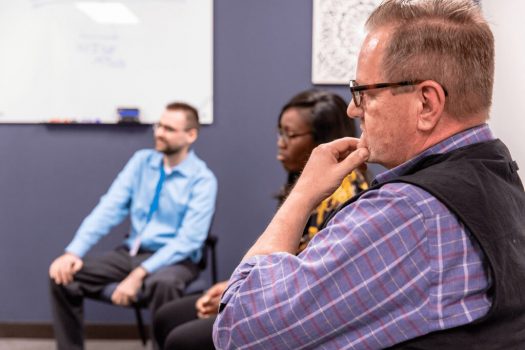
(508,110)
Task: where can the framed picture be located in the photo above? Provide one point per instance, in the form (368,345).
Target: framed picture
(338,30)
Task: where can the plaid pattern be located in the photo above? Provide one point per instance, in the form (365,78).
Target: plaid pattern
(394,265)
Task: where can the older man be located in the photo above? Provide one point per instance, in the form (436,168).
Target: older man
(169,195)
(432,256)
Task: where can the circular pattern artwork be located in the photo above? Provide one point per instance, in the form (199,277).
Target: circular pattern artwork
(338,30)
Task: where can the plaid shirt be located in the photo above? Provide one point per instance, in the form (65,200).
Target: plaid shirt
(394,265)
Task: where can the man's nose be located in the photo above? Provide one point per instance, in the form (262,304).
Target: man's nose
(352,111)
(158,131)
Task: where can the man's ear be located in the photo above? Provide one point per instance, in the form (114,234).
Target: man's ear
(192,135)
(432,99)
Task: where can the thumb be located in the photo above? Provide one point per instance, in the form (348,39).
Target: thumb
(354,160)
(77,265)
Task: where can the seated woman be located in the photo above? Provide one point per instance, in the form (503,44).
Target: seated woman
(310,118)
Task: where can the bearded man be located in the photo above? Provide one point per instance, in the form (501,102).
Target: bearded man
(169,195)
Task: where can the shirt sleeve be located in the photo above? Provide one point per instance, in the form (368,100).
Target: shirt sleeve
(361,283)
(194,229)
(111,210)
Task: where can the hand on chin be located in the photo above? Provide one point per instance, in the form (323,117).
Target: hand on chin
(362,141)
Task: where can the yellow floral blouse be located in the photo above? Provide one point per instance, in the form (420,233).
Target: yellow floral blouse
(352,184)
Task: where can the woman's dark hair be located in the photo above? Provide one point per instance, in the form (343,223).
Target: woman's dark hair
(325,112)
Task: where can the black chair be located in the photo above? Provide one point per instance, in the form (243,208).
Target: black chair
(199,285)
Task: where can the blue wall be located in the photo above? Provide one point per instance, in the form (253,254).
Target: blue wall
(52,176)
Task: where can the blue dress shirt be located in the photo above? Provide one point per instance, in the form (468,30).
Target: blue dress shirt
(177,229)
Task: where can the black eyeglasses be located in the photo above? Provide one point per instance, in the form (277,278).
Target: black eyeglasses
(357,90)
(287,136)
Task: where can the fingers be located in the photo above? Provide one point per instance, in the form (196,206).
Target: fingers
(52,271)
(198,304)
(207,312)
(77,265)
(117,298)
(125,294)
(342,147)
(66,273)
(210,308)
(355,159)
(201,302)
(336,150)
(202,315)
(64,276)
(347,157)
(213,304)
(344,143)
(61,273)
(122,299)
(216,290)
(63,268)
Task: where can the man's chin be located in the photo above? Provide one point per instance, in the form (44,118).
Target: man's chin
(362,143)
(169,151)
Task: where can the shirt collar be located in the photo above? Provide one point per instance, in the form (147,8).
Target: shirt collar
(477,134)
(185,168)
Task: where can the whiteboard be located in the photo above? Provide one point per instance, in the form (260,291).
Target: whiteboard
(59,63)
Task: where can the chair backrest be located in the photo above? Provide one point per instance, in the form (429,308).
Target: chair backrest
(209,248)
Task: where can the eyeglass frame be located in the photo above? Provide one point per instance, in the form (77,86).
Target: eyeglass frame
(360,88)
(286,137)
(167,128)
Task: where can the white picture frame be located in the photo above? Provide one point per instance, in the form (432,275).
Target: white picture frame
(337,33)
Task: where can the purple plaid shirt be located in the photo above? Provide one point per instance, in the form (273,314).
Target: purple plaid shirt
(394,265)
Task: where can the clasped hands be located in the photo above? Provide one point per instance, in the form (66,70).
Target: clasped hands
(208,304)
(64,267)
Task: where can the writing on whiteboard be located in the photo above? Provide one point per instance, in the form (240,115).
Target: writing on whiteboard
(101,50)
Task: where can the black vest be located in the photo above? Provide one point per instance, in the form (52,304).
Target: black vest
(480,184)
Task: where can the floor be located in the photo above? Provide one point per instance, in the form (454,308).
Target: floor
(49,344)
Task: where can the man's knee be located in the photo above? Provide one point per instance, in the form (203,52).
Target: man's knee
(160,282)
(170,278)
(71,289)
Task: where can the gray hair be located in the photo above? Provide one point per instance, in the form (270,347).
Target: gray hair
(447,41)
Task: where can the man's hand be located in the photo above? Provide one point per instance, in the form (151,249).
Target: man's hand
(64,267)
(324,172)
(328,164)
(208,304)
(126,291)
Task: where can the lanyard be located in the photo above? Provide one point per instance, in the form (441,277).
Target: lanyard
(155,203)
(152,209)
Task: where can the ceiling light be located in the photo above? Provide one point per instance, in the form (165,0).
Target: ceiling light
(108,12)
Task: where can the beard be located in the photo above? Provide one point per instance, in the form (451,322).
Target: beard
(163,147)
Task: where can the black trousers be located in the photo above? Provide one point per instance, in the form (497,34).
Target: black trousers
(164,285)
(176,326)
